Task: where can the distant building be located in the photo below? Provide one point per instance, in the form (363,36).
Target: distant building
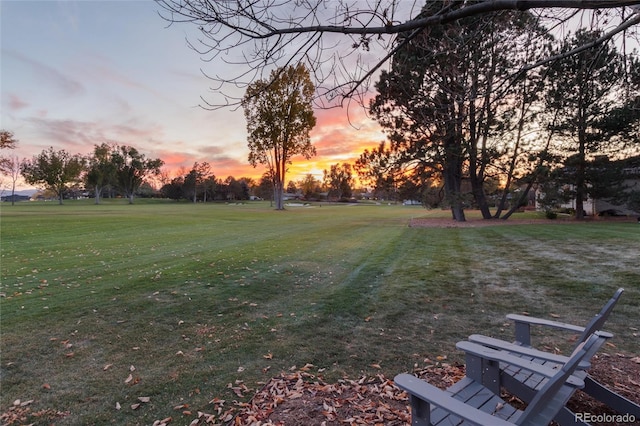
(15,198)
(596,207)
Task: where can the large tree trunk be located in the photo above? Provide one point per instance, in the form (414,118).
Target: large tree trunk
(580,191)
(279,195)
(452,172)
(479,123)
(481,198)
(524,195)
(13,193)
(281,168)
(580,167)
(96,192)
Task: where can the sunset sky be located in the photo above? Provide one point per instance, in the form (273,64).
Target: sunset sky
(79,73)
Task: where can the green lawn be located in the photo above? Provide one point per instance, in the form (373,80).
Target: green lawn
(179,302)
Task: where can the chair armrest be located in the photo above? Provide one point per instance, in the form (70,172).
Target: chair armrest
(523,327)
(500,356)
(426,392)
(524,350)
(545,322)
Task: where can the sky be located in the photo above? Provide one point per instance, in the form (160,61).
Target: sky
(74,74)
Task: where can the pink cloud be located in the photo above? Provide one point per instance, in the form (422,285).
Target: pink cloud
(221,166)
(344,133)
(15,103)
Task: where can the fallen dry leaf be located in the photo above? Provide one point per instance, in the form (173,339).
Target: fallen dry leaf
(162,422)
(128,379)
(135,406)
(144,399)
(287,398)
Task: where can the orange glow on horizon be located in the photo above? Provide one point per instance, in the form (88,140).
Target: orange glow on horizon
(335,139)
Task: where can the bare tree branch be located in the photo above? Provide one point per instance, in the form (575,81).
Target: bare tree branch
(634,20)
(249,38)
(464,12)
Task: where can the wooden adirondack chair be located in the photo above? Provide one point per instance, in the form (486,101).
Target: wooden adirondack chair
(473,400)
(525,384)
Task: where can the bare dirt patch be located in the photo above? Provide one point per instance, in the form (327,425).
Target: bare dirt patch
(478,223)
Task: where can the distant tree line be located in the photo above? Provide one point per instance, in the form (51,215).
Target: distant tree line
(200,185)
(113,170)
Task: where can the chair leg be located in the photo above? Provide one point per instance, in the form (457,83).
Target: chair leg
(567,417)
(613,400)
(420,412)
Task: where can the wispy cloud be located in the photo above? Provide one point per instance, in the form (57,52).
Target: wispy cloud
(79,136)
(71,135)
(212,151)
(107,73)
(48,75)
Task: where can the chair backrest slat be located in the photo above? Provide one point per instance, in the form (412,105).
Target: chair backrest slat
(597,322)
(546,404)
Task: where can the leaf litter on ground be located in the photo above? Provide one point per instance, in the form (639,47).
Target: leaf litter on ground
(301,396)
